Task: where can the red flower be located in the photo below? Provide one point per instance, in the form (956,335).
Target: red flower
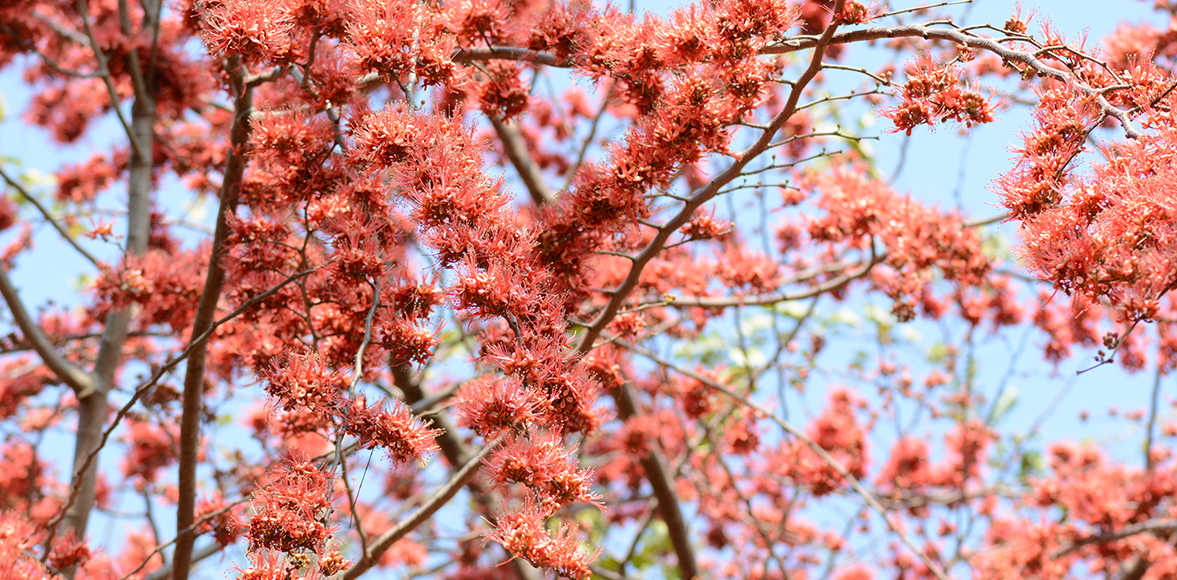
(403,436)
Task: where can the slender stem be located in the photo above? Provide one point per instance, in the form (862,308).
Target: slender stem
(529,172)
(147,384)
(104,71)
(1149,462)
(663,486)
(1149,526)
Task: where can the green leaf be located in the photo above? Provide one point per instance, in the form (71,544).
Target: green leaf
(756,322)
(752,357)
(879,316)
(1004,404)
(1031,465)
(845,315)
(909,333)
(705,349)
(937,353)
(996,246)
(595,522)
(609,563)
(792,308)
(34,177)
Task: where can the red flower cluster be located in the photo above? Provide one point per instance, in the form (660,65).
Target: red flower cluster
(18,539)
(546,466)
(907,237)
(290,510)
(305,386)
(836,430)
(934,94)
(523,533)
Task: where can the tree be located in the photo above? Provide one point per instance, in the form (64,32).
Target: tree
(593,376)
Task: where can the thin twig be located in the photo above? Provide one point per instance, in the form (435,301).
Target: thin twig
(49,217)
(708,191)
(866,495)
(63,369)
(442,496)
(516,150)
(151,382)
(1157,525)
(1149,462)
(82,8)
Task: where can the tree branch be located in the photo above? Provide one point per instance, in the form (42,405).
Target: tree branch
(455,453)
(1156,525)
(166,570)
(516,151)
(48,217)
(192,403)
(151,382)
(104,71)
(866,495)
(706,192)
(777,297)
(954,34)
(93,408)
(668,504)
(67,372)
(439,498)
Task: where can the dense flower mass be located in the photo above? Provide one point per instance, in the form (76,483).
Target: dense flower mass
(289,511)
(398,288)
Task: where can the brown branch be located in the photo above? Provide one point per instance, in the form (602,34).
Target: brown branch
(134,66)
(435,502)
(62,31)
(668,504)
(455,452)
(151,382)
(359,374)
(905,499)
(866,495)
(191,398)
(588,139)
(93,408)
(516,151)
(1146,527)
(166,570)
(509,53)
(955,35)
(67,372)
(48,217)
(777,297)
(1149,460)
(30,46)
(971,40)
(706,192)
(805,275)
(104,71)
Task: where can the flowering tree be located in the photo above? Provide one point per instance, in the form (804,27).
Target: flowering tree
(379,356)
